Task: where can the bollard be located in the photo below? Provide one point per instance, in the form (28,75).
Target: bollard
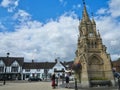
(62,80)
(57,81)
(4,82)
(76,84)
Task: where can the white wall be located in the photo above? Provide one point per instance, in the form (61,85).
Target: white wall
(58,66)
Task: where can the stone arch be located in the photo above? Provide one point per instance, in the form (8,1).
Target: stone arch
(95,59)
(95,67)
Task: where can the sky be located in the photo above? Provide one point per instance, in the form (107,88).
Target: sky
(43,30)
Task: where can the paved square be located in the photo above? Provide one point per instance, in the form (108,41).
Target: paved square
(29,86)
(40,86)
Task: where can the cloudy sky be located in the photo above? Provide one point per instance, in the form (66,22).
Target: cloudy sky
(46,29)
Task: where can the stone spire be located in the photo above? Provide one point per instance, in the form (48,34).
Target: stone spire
(85,16)
(93,21)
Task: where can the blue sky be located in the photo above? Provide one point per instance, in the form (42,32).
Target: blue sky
(45,29)
(43,10)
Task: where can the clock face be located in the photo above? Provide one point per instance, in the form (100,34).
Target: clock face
(90,34)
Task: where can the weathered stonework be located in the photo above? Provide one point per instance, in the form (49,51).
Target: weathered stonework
(91,53)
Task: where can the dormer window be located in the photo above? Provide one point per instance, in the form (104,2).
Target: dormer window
(1,69)
(1,63)
(15,64)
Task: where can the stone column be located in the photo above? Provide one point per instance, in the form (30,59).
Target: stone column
(84,76)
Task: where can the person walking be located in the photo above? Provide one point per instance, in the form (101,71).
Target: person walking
(118,83)
(53,81)
(63,77)
(67,81)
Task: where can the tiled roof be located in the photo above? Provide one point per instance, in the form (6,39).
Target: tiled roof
(9,60)
(32,65)
(68,64)
(116,63)
(38,65)
(63,64)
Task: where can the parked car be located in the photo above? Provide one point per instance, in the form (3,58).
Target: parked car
(116,74)
(34,79)
(71,78)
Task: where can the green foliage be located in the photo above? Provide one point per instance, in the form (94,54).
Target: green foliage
(98,78)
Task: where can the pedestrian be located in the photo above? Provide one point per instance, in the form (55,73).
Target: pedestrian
(53,81)
(118,83)
(67,81)
(56,84)
(63,77)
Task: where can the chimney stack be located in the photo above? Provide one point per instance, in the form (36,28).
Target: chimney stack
(32,61)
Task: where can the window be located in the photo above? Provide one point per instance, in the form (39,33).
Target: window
(27,70)
(14,69)
(38,70)
(45,71)
(55,69)
(1,69)
(27,75)
(95,45)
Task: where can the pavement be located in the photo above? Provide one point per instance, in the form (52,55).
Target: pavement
(13,85)
(44,85)
(72,86)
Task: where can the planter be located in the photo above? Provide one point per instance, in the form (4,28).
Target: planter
(76,67)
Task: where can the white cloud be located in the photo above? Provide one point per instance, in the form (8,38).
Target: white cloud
(102,11)
(63,2)
(9,4)
(22,16)
(2,27)
(41,42)
(77,6)
(114,42)
(115,56)
(114,6)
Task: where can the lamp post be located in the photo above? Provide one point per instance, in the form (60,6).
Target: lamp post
(5,70)
(76,88)
(4,77)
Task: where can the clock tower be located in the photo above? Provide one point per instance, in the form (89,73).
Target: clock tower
(91,53)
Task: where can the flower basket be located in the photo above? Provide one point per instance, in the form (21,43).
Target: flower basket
(76,66)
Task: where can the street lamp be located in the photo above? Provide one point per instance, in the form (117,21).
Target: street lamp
(4,77)
(5,70)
